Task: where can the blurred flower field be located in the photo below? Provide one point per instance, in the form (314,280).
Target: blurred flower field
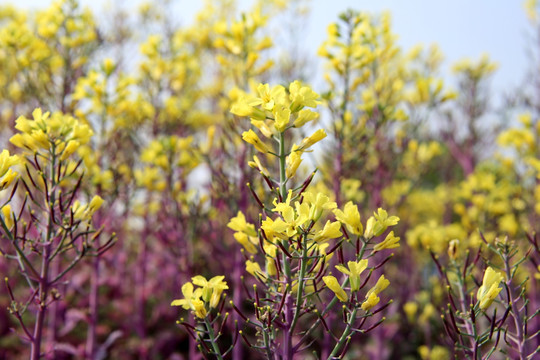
(173,191)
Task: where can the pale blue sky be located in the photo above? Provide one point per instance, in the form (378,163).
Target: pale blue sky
(462,28)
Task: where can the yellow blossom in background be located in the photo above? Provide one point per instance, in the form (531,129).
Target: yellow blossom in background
(435,353)
(410,308)
(531,8)
(453,249)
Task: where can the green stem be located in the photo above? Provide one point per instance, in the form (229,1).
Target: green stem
(469,327)
(334,299)
(282,167)
(301,275)
(516,314)
(287,346)
(45,263)
(213,341)
(283,193)
(345,335)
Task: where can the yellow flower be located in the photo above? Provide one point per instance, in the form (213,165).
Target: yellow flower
(246,242)
(378,223)
(350,217)
(354,271)
(8,216)
(273,228)
(199,308)
(372,298)
(453,249)
(302,96)
(82,212)
(50,132)
(265,127)
(239,223)
(254,269)
(95,204)
(370,302)
(331,230)
(410,308)
(253,139)
(7,175)
(490,288)
(390,242)
(292,218)
(318,203)
(270,97)
(313,139)
(370,223)
(191,300)
(245,107)
(7,161)
(332,283)
(7,179)
(305,116)
(242,109)
(270,251)
(256,164)
(189,295)
(293,161)
(71,147)
(282,116)
(211,289)
(381,284)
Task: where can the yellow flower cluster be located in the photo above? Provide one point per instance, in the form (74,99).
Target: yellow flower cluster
(296,218)
(85,212)
(354,271)
(364,49)
(55,136)
(475,70)
(204,298)
(241,45)
(275,109)
(163,155)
